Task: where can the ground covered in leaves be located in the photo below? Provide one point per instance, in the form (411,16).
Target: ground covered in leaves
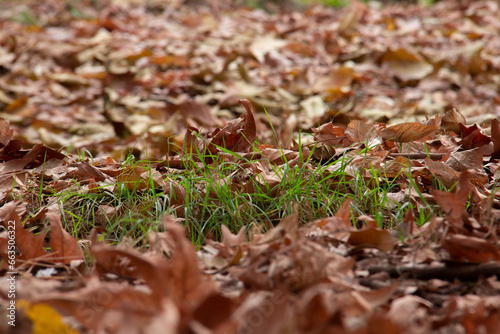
(200,168)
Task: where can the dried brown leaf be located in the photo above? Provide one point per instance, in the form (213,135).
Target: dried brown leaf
(472,137)
(131,177)
(6,132)
(344,213)
(249,133)
(454,204)
(63,246)
(29,245)
(406,64)
(372,238)
(471,249)
(447,175)
(361,132)
(463,160)
(451,120)
(229,239)
(332,135)
(289,225)
(407,132)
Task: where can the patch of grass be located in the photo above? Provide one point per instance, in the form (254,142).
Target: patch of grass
(222,189)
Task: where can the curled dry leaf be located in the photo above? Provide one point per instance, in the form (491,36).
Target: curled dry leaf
(451,120)
(463,160)
(473,137)
(238,135)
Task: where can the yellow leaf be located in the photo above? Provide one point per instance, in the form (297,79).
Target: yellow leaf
(45,319)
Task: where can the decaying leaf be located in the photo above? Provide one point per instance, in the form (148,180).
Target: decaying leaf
(406,64)
(372,237)
(63,246)
(408,132)
(471,249)
(451,120)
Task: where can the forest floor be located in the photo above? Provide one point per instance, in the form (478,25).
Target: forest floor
(178,168)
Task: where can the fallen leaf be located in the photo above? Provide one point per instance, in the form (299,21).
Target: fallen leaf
(229,239)
(372,238)
(408,132)
(361,132)
(63,246)
(471,249)
(454,204)
(406,65)
(445,174)
(44,318)
(451,120)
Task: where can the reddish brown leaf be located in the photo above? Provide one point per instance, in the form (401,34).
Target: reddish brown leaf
(454,204)
(85,172)
(344,213)
(472,137)
(6,132)
(131,178)
(447,175)
(40,154)
(29,245)
(471,249)
(64,247)
(249,133)
(187,281)
(332,135)
(190,144)
(238,135)
(408,132)
(372,238)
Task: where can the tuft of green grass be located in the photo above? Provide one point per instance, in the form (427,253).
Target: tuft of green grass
(209,191)
(211,198)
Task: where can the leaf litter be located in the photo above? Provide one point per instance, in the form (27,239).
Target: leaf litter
(406,97)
